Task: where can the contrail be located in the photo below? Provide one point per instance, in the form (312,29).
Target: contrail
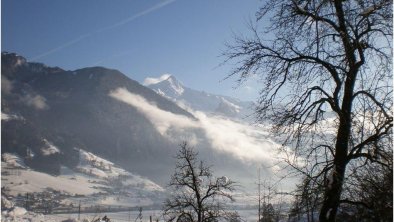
(120,23)
(140,14)
(65,45)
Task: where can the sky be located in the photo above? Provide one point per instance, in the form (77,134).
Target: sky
(146,38)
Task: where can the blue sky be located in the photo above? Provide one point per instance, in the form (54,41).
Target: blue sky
(141,38)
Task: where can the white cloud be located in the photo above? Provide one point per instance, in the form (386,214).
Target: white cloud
(245,142)
(6,85)
(37,101)
(161,119)
(150,81)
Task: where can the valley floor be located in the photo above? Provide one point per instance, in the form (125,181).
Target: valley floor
(246,215)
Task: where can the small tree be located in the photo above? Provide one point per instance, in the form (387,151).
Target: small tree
(268,214)
(308,196)
(196,194)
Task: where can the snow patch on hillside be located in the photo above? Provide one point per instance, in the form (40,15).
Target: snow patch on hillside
(175,85)
(93,165)
(98,167)
(14,212)
(7,117)
(13,160)
(5,203)
(28,181)
(49,148)
(161,93)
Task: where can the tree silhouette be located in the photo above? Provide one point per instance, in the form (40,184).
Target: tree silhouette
(196,194)
(326,68)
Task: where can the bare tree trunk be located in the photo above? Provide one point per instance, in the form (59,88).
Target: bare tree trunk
(333,192)
(332,195)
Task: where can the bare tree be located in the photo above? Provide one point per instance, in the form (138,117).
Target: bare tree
(369,191)
(327,84)
(196,194)
(307,196)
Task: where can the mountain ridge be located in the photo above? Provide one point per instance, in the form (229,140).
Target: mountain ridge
(73,109)
(168,86)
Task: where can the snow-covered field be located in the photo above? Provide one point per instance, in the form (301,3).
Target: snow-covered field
(246,215)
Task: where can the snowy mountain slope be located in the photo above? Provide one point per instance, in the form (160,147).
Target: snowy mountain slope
(13,160)
(227,108)
(98,167)
(169,87)
(20,179)
(95,180)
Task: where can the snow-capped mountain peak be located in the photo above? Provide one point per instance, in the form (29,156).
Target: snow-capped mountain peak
(175,85)
(151,81)
(166,85)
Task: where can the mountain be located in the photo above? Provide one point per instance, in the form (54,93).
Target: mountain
(44,107)
(169,87)
(48,114)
